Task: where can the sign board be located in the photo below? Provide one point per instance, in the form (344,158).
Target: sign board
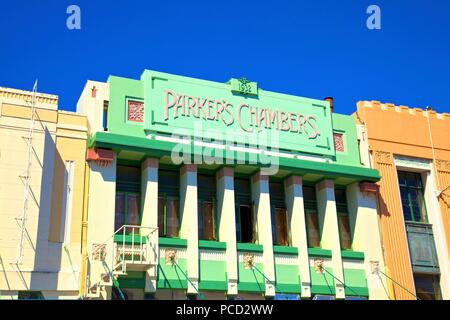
(236,109)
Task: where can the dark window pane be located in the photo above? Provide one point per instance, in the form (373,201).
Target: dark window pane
(133,209)
(276,190)
(427,287)
(313,229)
(411,194)
(208,221)
(281,227)
(246,218)
(238,223)
(161,217)
(242,192)
(344,229)
(119,218)
(172,217)
(309,194)
(340,197)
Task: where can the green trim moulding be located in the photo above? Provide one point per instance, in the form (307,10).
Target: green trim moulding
(317,252)
(356,255)
(212,245)
(172,242)
(158,149)
(251,247)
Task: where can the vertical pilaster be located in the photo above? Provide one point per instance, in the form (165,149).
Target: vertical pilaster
(328,224)
(227,224)
(297,227)
(395,242)
(367,238)
(149,205)
(261,200)
(189,222)
(101,208)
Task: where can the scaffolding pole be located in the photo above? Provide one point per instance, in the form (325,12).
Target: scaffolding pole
(29,140)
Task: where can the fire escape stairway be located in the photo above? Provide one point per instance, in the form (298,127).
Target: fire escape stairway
(135,251)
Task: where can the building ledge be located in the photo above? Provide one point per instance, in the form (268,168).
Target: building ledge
(250,247)
(318,252)
(157,148)
(172,242)
(350,254)
(212,245)
(285,250)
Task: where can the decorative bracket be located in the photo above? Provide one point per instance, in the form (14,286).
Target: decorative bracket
(248,260)
(318,265)
(171,256)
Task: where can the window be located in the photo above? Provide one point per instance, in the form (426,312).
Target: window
(427,287)
(135,111)
(128,197)
(312,224)
(279,214)
(206,186)
(105,116)
(411,193)
(168,203)
(343,219)
(245,224)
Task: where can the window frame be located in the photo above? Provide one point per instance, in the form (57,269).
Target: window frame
(308,205)
(420,191)
(342,210)
(125,213)
(166,198)
(201,216)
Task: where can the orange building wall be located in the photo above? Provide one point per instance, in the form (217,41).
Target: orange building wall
(393,130)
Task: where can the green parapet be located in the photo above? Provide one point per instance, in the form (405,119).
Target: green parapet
(318,252)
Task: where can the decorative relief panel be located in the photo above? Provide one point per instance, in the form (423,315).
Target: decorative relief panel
(443,165)
(135,111)
(383,157)
(338,142)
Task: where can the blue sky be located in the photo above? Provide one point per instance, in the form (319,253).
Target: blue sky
(307,48)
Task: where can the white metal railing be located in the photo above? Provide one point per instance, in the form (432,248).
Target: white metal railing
(141,251)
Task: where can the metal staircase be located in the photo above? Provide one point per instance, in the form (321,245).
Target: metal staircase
(136,251)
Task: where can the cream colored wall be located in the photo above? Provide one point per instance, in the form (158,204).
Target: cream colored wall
(261,199)
(92,107)
(435,218)
(297,228)
(366,237)
(45,265)
(329,230)
(101,211)
(227,224)
(149,185)
(189,222)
